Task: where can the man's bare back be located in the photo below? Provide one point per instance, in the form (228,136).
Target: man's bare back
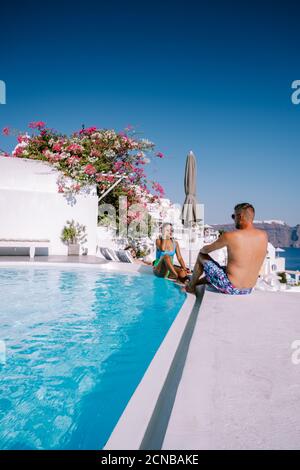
(246,247)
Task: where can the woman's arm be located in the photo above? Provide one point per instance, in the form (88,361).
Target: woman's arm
(179,257)
(158,243)
(161,244)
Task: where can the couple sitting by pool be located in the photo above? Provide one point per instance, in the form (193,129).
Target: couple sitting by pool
(246,248)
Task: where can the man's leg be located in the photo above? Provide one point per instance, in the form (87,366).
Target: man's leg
(202,281)
(197,273)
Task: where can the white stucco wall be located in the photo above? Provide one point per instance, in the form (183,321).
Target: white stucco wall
(31,207)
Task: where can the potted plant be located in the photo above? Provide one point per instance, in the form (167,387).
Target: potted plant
(73,234)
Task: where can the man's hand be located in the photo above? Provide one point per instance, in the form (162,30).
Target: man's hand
(220,243)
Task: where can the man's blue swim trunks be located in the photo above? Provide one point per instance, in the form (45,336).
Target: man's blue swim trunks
(217,277)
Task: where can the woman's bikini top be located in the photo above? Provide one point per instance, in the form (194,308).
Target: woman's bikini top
(160,253)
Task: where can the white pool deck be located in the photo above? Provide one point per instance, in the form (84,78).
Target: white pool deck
(239,388)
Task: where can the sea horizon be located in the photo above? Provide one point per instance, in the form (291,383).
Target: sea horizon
(292,258)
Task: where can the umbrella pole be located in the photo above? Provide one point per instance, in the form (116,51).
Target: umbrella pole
(190,252)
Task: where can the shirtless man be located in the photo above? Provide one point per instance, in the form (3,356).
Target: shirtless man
(246,247)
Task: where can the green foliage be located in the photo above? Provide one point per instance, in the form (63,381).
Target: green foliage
(283,278)
(73,233)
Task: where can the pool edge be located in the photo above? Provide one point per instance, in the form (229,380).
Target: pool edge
(144,421)
(107,266)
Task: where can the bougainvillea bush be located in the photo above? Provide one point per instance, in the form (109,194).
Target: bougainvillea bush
(94,156)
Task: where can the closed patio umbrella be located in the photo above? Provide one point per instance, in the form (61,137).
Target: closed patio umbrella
(190,213)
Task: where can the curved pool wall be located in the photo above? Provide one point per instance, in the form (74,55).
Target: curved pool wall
(143,422)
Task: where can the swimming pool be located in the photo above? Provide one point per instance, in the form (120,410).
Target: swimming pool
(78,342)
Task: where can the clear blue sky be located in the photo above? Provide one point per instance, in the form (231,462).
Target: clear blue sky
(214,77)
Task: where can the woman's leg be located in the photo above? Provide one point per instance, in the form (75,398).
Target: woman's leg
(181,274)
(165,264)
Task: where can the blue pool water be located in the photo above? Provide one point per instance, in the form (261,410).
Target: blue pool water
(78,342)
(292,258)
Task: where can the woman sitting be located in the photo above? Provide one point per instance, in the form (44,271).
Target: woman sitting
(166,247)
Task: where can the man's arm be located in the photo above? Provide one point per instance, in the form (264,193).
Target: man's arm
(220,243)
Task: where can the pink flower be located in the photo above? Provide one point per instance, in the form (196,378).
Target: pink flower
(118,166)
(95,153)
(36,125)
(6,131)
(160,155)
(110,178)
(61,189)
(18,152)
(158,188)
(88,131)
(139,172)
(23,138)
(47,153)
(57,147)
(73,160)
(99,178)
(90,170)
(75,148)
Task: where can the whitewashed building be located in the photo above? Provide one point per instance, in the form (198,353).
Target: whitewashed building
(32,208)
(273,263)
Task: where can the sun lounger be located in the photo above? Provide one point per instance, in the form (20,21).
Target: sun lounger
(32,244)
(125,256)
(122,256)
(109,254)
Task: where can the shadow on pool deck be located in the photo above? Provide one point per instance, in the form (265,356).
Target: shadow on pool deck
(239,387)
